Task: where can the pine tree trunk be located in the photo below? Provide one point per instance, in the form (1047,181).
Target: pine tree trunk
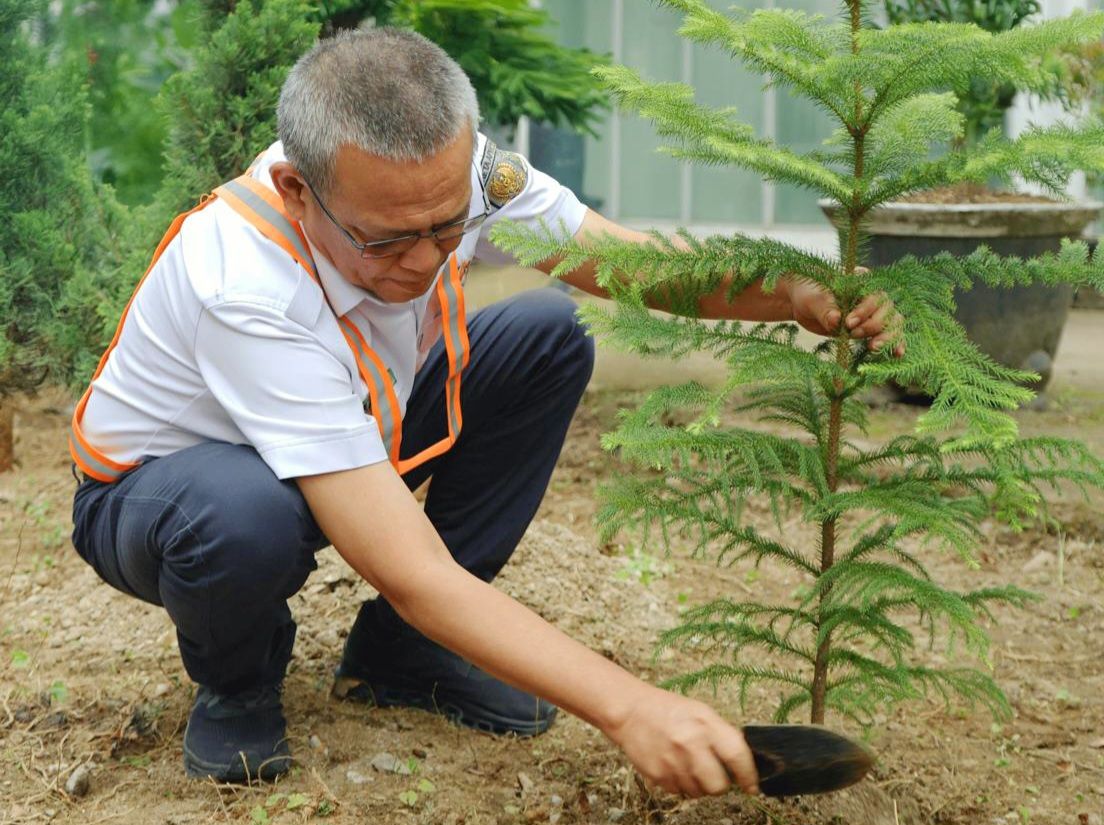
(7,434)
(850,260)
(828,533)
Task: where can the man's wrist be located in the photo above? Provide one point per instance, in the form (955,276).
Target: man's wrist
(783,290)
(615,717)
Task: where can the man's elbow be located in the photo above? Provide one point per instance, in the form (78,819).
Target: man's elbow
(418,596)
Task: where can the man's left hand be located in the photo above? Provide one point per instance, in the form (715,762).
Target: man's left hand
(874,318)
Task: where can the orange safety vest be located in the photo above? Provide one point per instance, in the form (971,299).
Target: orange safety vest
(264,210)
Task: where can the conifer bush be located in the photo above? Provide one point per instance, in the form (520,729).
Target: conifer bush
(220,113)
(55,220)
(851,640)
(223,110)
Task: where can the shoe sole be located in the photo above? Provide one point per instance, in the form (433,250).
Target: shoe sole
(376,694)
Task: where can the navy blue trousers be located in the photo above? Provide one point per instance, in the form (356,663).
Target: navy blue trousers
(210,534)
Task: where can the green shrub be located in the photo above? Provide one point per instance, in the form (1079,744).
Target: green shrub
(222,111)
(126,50)
(56,221)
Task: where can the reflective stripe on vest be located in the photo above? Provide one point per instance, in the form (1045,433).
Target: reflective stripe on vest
(263,209)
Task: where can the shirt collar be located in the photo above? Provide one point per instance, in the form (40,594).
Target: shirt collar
(343,295)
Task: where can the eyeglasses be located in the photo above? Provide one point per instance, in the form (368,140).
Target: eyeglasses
(446,237)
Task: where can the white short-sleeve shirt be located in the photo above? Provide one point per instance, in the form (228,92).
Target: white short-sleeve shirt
(229,339)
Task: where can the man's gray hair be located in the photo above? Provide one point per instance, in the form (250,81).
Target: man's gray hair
(389,92)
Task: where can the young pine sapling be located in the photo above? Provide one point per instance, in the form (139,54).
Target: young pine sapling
(847,641)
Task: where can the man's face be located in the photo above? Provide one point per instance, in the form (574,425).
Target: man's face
(375,199)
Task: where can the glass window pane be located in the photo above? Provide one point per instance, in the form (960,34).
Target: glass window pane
(570,19)
(723,194)
(650,182)
(588,24)
(802,127)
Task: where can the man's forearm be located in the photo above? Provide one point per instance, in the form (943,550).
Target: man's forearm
(379,529)
(751,304)
(511,642)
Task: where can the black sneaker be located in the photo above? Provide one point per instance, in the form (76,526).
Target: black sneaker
(396,666)
(237,737)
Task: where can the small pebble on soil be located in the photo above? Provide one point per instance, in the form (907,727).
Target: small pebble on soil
(79,781)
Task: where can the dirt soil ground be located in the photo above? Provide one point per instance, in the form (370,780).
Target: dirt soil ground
(91,683)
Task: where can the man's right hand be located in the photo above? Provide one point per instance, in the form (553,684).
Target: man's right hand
(684,746)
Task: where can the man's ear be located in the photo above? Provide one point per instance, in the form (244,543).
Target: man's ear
(290,186)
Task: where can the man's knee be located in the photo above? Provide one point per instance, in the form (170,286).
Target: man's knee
(551,317)
(246,527)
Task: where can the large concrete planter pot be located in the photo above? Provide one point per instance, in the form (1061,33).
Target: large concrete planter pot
(1019,327)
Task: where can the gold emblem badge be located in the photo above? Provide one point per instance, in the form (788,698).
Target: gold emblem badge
(508,178)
